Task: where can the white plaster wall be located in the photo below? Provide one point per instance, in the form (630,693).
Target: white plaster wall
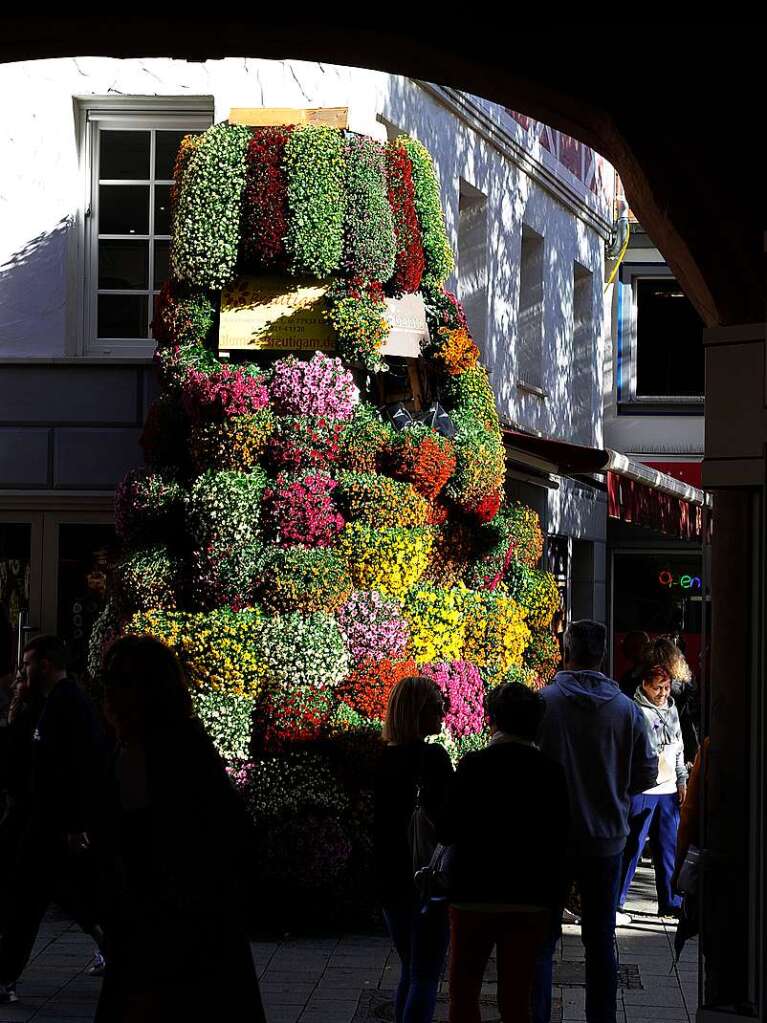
(43,194)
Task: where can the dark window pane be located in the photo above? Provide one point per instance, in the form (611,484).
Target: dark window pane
(124,154)
(15,559)
(669,341)
(123,316)
(161,263)
(162,209)
(166,146)
(123,209)
(123,264)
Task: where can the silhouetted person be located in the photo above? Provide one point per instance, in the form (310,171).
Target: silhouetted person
(418,928)
(635,648)
(508,822)
(60,796)
(600,738)
(178,846)
(655,812)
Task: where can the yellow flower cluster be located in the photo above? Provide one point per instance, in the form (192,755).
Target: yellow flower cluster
(380,501)
(495,632)
(544,600)
(435,617)
(388,560)
(217,648)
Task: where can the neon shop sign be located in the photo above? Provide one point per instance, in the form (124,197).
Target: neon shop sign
(679,582)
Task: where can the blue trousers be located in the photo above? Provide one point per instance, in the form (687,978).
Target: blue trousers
(658,818)
(598,879)
(420,936)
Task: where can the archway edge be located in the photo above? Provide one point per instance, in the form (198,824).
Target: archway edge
(675,183)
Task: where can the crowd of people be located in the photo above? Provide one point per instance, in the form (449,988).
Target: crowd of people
(575,780)
(110,812)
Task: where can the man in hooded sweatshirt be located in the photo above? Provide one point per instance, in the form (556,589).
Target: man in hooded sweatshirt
(600,738)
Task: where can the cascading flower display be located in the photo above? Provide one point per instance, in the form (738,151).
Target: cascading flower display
(302,510)
(265,200)
(320,387)
(436,247)
(462,685)
(315,173)
(422,457)
(373,626)
(409,258)
(206,221)
(380,501)
(367,688)
(369,228)
(228,392)
(435,619)
(304,579)
(327,549)
(388,560)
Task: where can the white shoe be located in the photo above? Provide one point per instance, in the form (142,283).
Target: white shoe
(569,918)
(622,919)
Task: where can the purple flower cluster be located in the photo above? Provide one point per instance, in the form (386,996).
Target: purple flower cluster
(374,627)
(320,387)
(462,684)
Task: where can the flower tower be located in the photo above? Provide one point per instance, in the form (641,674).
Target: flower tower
(300,542)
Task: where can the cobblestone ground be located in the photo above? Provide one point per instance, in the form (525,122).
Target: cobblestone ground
(350,978)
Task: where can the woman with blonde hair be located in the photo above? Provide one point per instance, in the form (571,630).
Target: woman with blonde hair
(664,653)
(411,771)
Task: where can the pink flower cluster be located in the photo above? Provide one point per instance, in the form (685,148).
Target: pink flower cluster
(462,684)
(302,511)
(228,392)
(320,387)
(373,627)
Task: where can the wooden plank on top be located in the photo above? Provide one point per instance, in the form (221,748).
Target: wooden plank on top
(258,117)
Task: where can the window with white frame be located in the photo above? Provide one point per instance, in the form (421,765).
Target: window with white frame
(472,258)
(660,357)
(131,152)
(583,356)
(530,312)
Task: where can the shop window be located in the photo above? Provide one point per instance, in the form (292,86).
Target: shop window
(530,312)
(660,593)
(660,341)
(472,259)
(15,567)
(131,157)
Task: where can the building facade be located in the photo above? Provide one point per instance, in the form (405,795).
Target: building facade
(85,177)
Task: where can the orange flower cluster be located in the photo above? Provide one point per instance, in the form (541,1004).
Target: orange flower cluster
(424,459)
(456,351)
(367,688)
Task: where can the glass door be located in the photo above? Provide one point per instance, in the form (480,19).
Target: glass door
(20,585)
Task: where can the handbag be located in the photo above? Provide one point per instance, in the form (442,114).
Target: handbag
(430,859)
(687,879)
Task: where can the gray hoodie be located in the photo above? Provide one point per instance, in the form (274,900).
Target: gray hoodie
(667,744)
(599,737)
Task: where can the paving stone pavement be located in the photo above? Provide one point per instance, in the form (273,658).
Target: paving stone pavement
(348,979)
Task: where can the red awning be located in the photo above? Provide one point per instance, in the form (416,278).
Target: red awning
(637,493)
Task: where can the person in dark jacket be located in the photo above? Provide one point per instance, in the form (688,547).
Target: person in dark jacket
(634,647)
(418,929)
(65,773)
(600,738)
(507,822)
(178,847)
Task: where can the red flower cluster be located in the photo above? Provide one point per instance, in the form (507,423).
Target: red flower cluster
(302,511)
(367,688)
(427,461)
(284,717)
(486,509)
(301,442)
(409,262)
(229,392)
(265,203)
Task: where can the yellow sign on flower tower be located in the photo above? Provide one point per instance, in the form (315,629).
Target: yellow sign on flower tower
(271,313)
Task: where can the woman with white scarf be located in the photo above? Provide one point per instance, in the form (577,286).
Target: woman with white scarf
(655,812)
